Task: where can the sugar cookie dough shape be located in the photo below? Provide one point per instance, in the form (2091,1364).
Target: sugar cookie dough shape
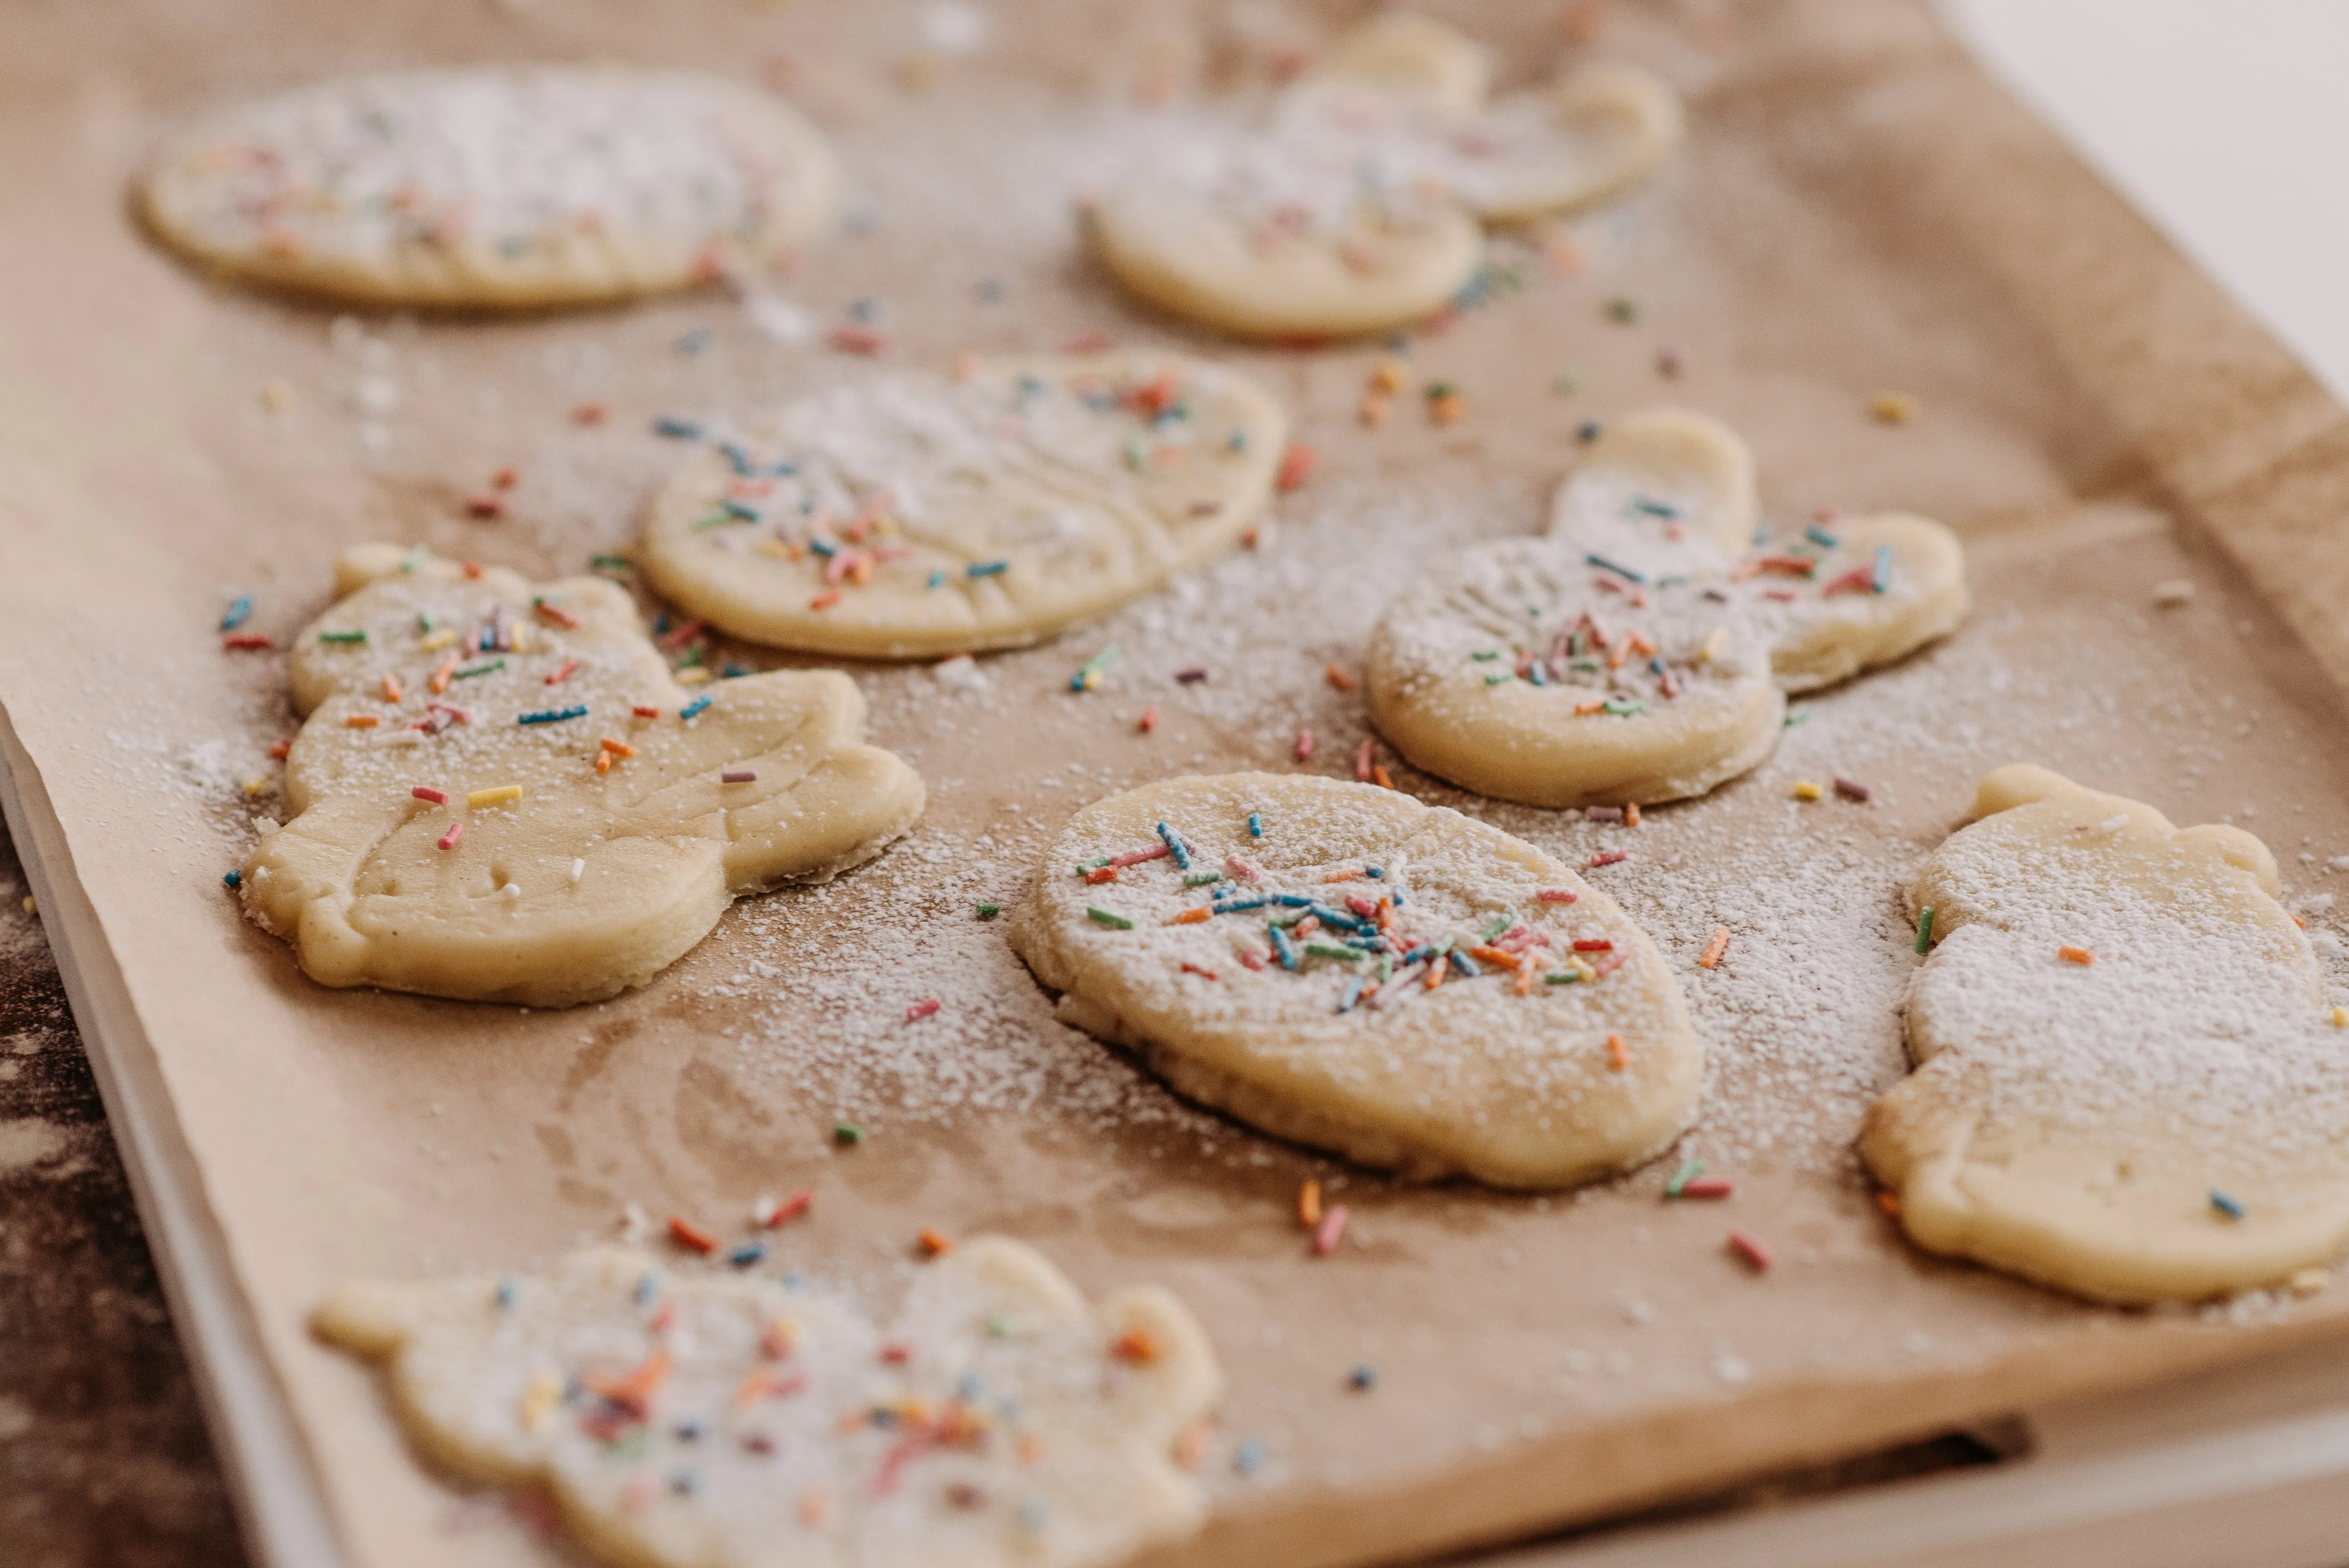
(582,847)
(1358,206)
(683,1421)
(1277,978)
(2164,1123)
(910,516)
(1638,651)
(495,185)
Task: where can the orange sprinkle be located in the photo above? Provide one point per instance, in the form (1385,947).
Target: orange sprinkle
(1715,948)
(280,748)
(1617,655)
(1642,645)
(1148,720)
(934,1245)
(1308,1203)
(1494,956)
(362,720)
(1526,973)
(1194,916)
(1437,971)
(504,478)
(1373,410)
(1447,409)
(1631,813)
(559,615)
(587,414)
(1296,466)
(826,600)
(1381,776)
(390,687)
(2080,956)
(860,571)
(633,1392)
(616,747)
(692,1235)
(816,1506)
(1135,1344)
(1191,1448)
(1584,708)
(1338,677)
(439,681)
(1618,1059)
(1101,874)
(473,569)
(1889,1201)
(603,761)
(1349,875)
(1386,912)
(1032,1448)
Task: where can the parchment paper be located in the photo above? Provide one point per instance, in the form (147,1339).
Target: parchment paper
(1857,209)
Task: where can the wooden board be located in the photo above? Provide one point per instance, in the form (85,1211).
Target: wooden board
(1857,209)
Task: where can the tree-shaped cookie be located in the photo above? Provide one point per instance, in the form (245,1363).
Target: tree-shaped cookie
(504,185)
(2128,1084)
(1340,965)
(1637,653)
(499,793)
(1359,205)
(911,516)
(682,1421)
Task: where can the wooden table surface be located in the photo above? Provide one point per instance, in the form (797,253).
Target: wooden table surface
(103,1458)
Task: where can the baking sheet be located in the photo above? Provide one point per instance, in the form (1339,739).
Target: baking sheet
(1858,210)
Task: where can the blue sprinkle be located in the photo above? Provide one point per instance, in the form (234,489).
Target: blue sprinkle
(1656,666)
(1292,900)
(1466,964)
(1398,895)
(1821,537)
(2226,1205)
(693,708)
(506,1293)
(987,569)
(863,310)
(1881,579)
(736,456)
(742,510)
(1418,952)
(1282,948)
(238,612)
(1351,994)
(1176,847)
(1534,673)
(683,1483)
(554,715)
(972,1389)
(1241,905)
(1644,507)
(234,879)
(647,1287)
(1255,825)
(660,623)
(687,1431)
(1341,920)
(694,342)
(748,1253)
(990,290)
(1362,1379)
(823,547)
(677,430)
(938,579)
(1587,430)
(1606,565)
(731,670)
(1248,1457)
(1237,442)
(1375,872)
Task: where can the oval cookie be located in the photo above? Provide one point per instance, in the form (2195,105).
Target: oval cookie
(679,1421)
(912,516)
(500,792)
(489,186)
(1338,965)
(2129,1084)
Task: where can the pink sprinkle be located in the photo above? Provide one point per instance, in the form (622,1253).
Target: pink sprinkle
(425,792)
(1241,869)
(856,340)
(1304,744)
(1251,961)
(1557,895)
(791,1208)
(1607,966)
(1608,857)
(1135,857)
(738,776)
(1362,763)
(923,1009)
(1708,1187)
(1331,1232)
(1747,1246)
(560,676)
(456,832)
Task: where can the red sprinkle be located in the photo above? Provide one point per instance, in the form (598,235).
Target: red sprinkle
(857,340)
(923,1009)
(1296,466)
(896,1353)
(246,640)
(1190,969)
(692,1235)
(1850,790)
(587,414)
(1337,676)
(1304,744)
(280,748)
(1748,1246)
(1148,719)
(1608,857)
(738,776)
(1089,343)
(1594,945)
(504,478)
(563,673)
(456,832)
(425,792)
(1708,1187)
(791,1208)
(641,711)
(1101,874)
(485,506)
(1557,895)
(1331,1232)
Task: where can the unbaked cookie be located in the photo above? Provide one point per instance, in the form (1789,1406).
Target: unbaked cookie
(500,792)
(1337,964)
(911,516)
(495,185)
(2128,1083)
(683,1421)
(1638,651)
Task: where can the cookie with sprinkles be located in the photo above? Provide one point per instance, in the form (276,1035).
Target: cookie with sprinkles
(495,185)
(1638,651)
(500,792)
(2130,1084)
(679,1421)
(909,515)
(1337,964)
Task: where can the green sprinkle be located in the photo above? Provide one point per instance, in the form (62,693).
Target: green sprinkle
(693,657)
(484,668)
(715,519)
(1386,968)
(612,562)
(1794,718)
(1093,865)
(1331,950)
(1202,879)
(1108,917)
(989,911)
(1567,383)
(1486,655)
(1562,978)
(1622,310)
(999,1325)
(360,636)
(1499,924)
(848,1132)
(413,559)
(1924,930)
(1624,708)
(1683,1177)
(1498,680)
(423,622)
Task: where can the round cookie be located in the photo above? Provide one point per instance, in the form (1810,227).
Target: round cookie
(2128,1083)
(493,185)
(1338,965)
(1411,56)
(679,1421)
(500,792)
(912,516)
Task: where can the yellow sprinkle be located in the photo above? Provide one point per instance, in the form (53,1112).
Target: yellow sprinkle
(693,677)
(2309,1281)
(439,639)
(497,797)
(522,636)
(545,1391)
(775,547)
(255,786)
(31,907)
(1807,791)
(2341,1018)
(277,396)
(1392,376)
(1892,408)
(1712,649)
